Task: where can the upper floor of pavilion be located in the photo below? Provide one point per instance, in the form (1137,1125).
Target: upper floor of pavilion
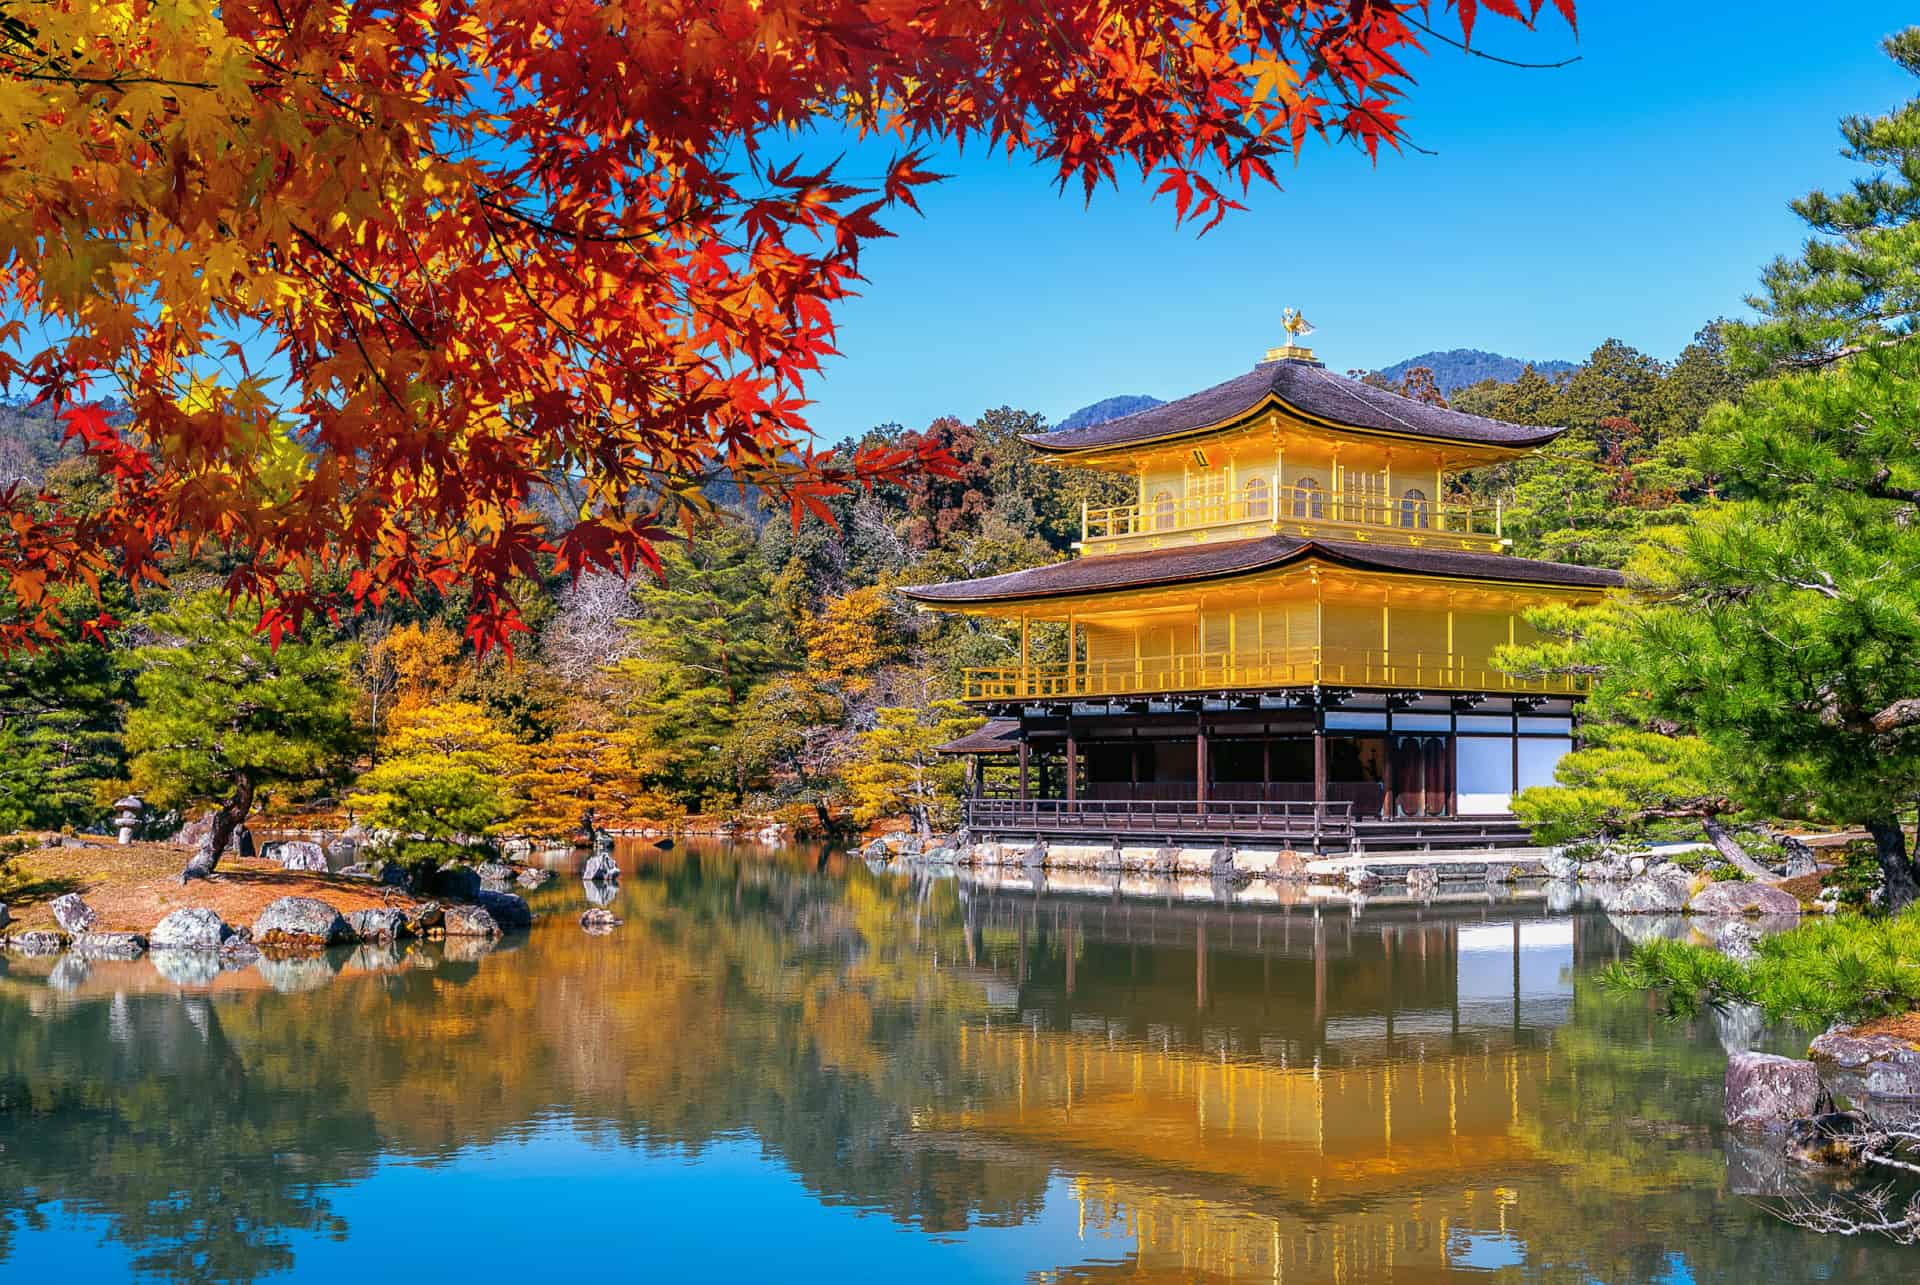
(1289,448)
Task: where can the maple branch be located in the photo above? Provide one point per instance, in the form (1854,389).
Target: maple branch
(385,292)
(1465,48)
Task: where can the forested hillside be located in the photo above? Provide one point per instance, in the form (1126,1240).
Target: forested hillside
(773,670)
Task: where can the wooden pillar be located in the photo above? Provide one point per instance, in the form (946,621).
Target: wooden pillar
(1073,761)
(1319,773)
(1026,761)
(1200,760)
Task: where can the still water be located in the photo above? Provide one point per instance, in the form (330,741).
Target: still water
(786,1066)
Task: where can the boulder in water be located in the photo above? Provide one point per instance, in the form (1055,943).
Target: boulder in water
(598,919)
(72,914)
(195,928)
(1768,1092)
(508,909)
(601,869)
(425,917)
(1874,1066)
(1734,897)
(377,924)
(300,922)
(37,943)
(1654,893)
(470,921)
(101,945)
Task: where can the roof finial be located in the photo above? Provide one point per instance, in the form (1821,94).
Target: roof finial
(1295,323)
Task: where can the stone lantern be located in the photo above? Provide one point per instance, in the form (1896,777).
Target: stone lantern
(127,813)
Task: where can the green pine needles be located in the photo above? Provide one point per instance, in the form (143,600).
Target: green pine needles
(1848,968)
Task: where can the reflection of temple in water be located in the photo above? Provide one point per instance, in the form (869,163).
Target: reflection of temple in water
(1315,1096)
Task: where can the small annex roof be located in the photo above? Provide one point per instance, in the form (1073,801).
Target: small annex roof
(1307,388)
(1193,563)
(997,736)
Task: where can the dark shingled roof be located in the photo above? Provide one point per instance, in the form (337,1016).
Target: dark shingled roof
(998,736)
(1217,561)
(1305,387)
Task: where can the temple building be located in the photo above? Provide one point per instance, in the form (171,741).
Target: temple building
(1288,634)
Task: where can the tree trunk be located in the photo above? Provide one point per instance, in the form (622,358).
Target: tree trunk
(207,856)
(1731,851)
(1890,849)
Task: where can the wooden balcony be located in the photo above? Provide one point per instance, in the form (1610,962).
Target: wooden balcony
(1249,671)
(1292,510)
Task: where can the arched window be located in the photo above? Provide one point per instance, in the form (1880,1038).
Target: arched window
(1413,508)
(1163,510)
(1259,497)
(1308,499)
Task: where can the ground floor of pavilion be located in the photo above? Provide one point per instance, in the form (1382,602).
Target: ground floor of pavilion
(1314,767)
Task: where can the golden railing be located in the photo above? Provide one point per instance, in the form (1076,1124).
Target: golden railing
(1227,671)
(1370,515)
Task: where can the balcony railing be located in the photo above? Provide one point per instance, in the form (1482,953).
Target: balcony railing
(1241,671)
(1319,823)
(1306,510)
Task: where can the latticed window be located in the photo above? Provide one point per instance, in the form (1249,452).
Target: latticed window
(1206,494)
(1258,496)
(1413,508)
(1309,501)
(1163,510)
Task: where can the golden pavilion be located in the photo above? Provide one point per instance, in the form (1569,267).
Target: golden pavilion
(1287,635)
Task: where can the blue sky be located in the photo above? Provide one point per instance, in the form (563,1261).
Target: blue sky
(1634,194)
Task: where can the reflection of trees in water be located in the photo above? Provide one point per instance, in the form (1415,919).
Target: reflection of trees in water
(739,996)
(1627,1106)
(140,1108)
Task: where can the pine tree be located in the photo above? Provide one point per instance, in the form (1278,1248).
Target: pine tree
(61,709)
(1856,282)
(223,714)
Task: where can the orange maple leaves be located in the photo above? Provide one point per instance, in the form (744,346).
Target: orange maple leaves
(444,293)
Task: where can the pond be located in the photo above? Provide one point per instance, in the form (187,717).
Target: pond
(787,1064)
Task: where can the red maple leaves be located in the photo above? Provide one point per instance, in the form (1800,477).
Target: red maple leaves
(442,295)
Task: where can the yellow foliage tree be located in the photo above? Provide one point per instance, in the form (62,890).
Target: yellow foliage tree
(447,777)
(894,769)
(589,768)
(853,636)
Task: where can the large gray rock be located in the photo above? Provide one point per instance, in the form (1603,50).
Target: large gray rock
(300,922)
(532,876)
(298,854)
(1874,1066)
(509,910)
(470,921)
(425,917)
(456,880)
(195,928)
(99,945)
(72,914)
(395,875)
(494,871)
(1768,1092)
(601,869)
(37,943)
(1736,898)
(378,924)
(1651,894)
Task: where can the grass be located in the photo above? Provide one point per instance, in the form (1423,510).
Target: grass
(1847,968)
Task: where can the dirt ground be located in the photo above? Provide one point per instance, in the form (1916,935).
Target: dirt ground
(1905,1026)
(135,887)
